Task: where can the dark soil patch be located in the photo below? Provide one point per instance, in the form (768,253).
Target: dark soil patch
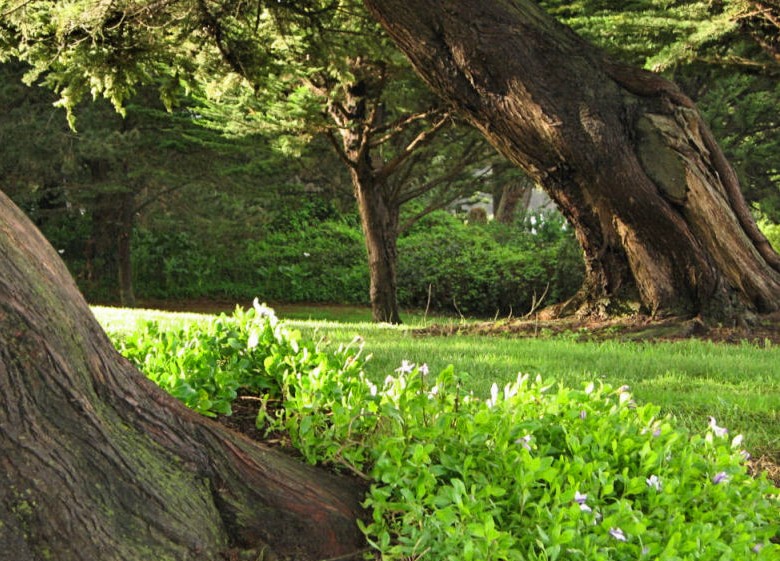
(765,330)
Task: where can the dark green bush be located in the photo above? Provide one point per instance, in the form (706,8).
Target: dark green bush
(487,269)
(477,270)
(322,263)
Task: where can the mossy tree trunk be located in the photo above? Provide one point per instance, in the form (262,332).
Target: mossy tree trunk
(624,154)
(99,463)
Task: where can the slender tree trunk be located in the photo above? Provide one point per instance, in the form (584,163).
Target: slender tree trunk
(514,195)
(379,210)
(622,152)
(98,463)
(379,219)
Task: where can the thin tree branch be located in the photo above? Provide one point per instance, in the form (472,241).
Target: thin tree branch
(421,139)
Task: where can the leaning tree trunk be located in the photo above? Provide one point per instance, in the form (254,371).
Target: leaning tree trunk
(623,153)
(98,463)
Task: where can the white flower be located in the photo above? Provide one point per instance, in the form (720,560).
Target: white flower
(525,442)
(718,431)
(424,369)
(618,534)
(405,368)
(654,482)
(493,396)
(589,388)
(736,441)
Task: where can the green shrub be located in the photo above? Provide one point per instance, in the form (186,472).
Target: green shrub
(488,269)
(532,472)
(324,263)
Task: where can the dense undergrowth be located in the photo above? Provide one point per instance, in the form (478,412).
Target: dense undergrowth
(532,471)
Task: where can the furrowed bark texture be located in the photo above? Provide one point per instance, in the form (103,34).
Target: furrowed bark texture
(98,463)
(623,153)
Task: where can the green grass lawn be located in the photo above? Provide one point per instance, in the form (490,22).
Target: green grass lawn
(737,384)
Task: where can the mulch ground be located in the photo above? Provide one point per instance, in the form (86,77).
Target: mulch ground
(763,331)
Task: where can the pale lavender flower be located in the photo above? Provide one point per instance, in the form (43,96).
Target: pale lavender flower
(745,455)
(583,414)
(720,477)
(718,431)
(645,550)
(580,499)
(757,548)
(657,432)
(736,441)
(654,482)
(618,534)
(525,442)
(424,369)
(405,368)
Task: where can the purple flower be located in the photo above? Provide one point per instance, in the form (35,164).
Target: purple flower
(657,432)
(618,534)
(720,477)
(580,499)
(719,431)
(757,548)
(583,414)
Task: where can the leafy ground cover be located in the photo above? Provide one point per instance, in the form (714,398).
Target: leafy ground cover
(529,469)
(691,377)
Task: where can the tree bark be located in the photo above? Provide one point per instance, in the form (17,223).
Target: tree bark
(379,219)
(379,210)
(622,152)
(512,196)
(99,463)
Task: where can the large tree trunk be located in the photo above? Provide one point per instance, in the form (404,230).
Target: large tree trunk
(98,463)
(622,152)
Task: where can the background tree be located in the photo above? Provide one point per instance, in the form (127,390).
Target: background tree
(341,77)
(625,156)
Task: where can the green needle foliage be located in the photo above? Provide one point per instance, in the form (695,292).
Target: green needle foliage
(533,471)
